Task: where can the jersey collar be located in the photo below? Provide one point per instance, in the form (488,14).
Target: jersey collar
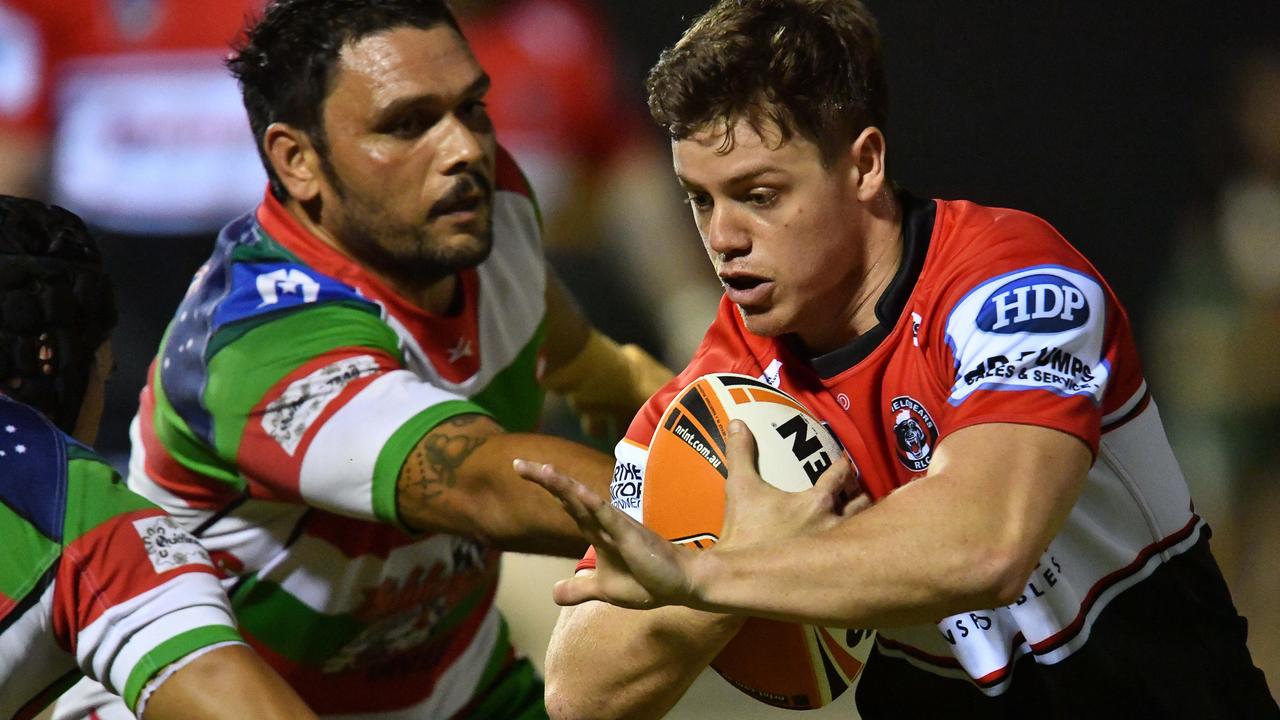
(917,230)
(452,342)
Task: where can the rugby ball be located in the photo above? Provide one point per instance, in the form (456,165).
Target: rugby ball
(783,664)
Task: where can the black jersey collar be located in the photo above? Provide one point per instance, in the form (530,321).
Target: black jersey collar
(917,229)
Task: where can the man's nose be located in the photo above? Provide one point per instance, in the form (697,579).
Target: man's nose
(725,232)
(461,147)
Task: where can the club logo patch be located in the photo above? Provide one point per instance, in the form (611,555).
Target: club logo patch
(168,546)
(914,432)
(288,418)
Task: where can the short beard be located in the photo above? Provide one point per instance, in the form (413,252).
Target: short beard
(411,255)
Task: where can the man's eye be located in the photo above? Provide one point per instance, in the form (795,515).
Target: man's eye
(409,127)
(762,198)
(473,109)
(699,201)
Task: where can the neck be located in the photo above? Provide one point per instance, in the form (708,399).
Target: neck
(436,297)
(881,250)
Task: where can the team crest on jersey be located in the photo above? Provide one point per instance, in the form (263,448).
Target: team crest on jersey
(915,432)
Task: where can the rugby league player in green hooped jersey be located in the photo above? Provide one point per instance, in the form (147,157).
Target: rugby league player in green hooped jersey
(339,398)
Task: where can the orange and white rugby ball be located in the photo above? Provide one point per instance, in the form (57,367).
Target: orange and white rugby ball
(784,664)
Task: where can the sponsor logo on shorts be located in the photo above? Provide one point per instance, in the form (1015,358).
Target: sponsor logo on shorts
(168,546)
(915,432)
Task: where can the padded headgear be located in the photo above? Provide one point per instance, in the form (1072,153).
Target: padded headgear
(54,294)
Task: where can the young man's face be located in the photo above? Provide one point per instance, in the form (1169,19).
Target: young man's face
(781,228)
(411,149)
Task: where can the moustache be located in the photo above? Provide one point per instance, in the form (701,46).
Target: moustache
(469,191)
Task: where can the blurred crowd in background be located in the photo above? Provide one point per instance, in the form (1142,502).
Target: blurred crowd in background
(1149,135)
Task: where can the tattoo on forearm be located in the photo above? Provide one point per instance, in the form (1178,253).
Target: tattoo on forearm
(433,465)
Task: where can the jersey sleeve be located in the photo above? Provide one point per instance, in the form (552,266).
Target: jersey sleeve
(134,592)
(25,69)
(317,406)
(1026,333)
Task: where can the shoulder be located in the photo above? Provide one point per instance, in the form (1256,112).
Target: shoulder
(33,467)
(988,263)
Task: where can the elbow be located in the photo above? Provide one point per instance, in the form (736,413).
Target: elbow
(564,704)
(560,704)
(1001,578)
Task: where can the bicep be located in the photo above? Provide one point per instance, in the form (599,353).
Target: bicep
(1015,482)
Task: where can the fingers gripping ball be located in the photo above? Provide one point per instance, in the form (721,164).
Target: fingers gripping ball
(784,664)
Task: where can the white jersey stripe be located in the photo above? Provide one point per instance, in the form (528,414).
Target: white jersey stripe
(1127,407)
(110,646)
(337,472)
(30,658)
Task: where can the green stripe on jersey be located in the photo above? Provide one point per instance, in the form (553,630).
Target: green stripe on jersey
(513,398)
(295,630)
(243,371)
(394,453)
(24,556)
(95,495)
(231,333)
(181,443)
(171,651)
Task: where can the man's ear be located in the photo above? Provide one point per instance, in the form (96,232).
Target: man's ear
(294,160)
(868,167)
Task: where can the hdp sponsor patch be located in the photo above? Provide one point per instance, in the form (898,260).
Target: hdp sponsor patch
(1037,328)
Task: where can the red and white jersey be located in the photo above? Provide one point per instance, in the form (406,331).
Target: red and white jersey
(993,318)
(146,130)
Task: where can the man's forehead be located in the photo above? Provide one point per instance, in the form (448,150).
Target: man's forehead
(729,149)
(408,61)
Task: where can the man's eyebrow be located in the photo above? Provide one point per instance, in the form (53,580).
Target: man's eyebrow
(477,88)
(742,178)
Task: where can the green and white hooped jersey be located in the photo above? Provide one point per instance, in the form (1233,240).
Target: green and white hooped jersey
(93,578)
(289,390)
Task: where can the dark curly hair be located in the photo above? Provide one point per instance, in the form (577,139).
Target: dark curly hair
(285,62)
(812,67)
(56,307)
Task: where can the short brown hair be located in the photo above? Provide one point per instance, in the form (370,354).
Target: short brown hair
(812,67)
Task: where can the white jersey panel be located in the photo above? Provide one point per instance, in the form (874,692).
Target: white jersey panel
(30,658)
(337,471)
(111,646)
(626,490)
(1133,514)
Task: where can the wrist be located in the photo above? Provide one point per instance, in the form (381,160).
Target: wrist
(706,572)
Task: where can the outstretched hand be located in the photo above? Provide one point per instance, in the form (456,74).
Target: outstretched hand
(637,568)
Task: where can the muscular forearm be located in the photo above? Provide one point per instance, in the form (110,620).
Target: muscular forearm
(964,537)
(459,480)
(229,683)
(664,651)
